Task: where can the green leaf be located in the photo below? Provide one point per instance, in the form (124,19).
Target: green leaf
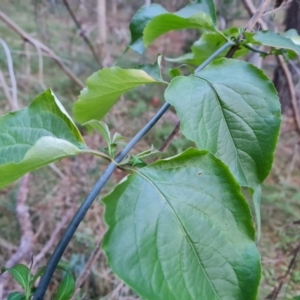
(166,22)
(36,136)
(181,229)
(147,14)
(102,128)
(275,40)
(232,110)
(20,274)
(38,274)
(103,90)
(174,72)
(139,22)
(204,47)
(16,296)
(66,288)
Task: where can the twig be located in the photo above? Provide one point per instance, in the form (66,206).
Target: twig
(292,164)
(14,99)
(6,91)
(81,32)
(26,37)
(292,91)
(169,139)
(61,225)
(274,294)
(256,14)
(24,248)
(87,269)
(277,8)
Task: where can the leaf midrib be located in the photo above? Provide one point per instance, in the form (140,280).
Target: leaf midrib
(182,227)
(221,110)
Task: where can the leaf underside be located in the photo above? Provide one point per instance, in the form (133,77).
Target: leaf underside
(181,229)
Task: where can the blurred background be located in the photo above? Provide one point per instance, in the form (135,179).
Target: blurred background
(58,44)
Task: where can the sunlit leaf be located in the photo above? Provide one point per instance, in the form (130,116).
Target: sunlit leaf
(104,89)
(36,136)
(181,229)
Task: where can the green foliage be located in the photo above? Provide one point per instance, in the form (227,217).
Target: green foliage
(103,90)
(66,288)
(36,136)
(22,275)
(207,44)
(185,231)
(151,22)
(179,228)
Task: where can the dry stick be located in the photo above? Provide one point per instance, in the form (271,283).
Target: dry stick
(26,229)
(255,19)
(60,226)
(26,37)
(277,8)
(292,90)
(13,98)
(5,87)
(274,294)
(87,269)
(81,32)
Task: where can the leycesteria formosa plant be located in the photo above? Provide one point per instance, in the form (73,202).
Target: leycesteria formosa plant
(178,228)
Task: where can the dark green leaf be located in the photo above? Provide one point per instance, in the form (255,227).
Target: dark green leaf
(21,274)
(66,288)
(167,22)
(16,296)
(181,229)
(231,109)
(36,136)
(139,22)
(103,90)
(174,72)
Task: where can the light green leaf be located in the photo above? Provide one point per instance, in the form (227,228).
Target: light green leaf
(103,90)
(16,296)
(181,229)
(66,288)
(139,22)
(21,274)
(231,109)
(36,136)
(102,128)
(204,47)
(166,22)
(276,40)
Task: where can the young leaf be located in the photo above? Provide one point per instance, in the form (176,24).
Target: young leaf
(276,40)
(16,296)
(66,287)
(204,47)
(139,22)
(21,274)
(102,128)
(167,22)
(231,109)
(36,136)
(103,90)
(181,229)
